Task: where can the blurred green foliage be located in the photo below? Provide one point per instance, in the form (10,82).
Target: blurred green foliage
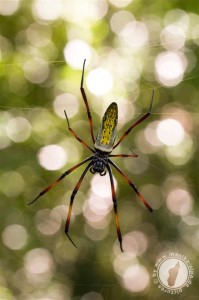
(38,63)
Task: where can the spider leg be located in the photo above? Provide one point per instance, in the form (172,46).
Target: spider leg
(115,207)
(123,155)
(145,116)
(60,178)
(72,199)
(74,134)
(131,184)
(86,103)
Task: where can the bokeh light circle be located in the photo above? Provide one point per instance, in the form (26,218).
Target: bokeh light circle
(52,157)
(75,52)
(179,201)
(18,129)
(170,132)
(173,37)
(99,81)
(14,236)
(136,278)
(170,67)
(36,70)
(38,262)
(120,3)
(47,10)
(8,7)
(135,34)
(66,102)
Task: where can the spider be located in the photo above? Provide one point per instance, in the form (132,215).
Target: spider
(100,161)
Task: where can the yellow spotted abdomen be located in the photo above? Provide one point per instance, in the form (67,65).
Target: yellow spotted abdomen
(107,131)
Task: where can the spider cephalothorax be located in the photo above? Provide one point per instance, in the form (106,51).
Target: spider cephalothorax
(100,161)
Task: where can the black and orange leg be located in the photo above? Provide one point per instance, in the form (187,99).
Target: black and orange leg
(131,184)
(74,134)
(119,235)
(72,199)
(86,103)
(123,155)
(60,178)
(144,117)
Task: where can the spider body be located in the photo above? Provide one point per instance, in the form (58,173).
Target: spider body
(107,131)
(105,140)
(101,161)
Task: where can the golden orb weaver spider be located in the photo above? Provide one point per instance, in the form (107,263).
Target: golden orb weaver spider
(100,160)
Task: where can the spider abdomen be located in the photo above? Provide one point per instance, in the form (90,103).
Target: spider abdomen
(107,131)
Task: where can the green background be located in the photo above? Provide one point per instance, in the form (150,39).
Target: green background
(39,265)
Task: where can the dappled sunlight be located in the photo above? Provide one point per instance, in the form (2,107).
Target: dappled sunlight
(15,236)
(136,278)
(36,70)
(135,34)
(119,3)
(18,129)
(177,16)
(119,20)
(173,37)
(39,266)
(96,210)
(52,157)
(93,217)
(51,12)
(170,67)
(101,186)
(76,51)
(39,35)
(99,81)
(99,204)
(133,276)
(66,102)
(135,242)
(8,8)
(84,12)
(122,261)
(170,132)
(179,202)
